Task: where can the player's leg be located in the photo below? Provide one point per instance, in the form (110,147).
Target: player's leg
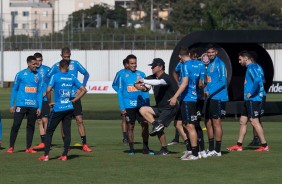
(162,139)
(209,126)
(175,140)
(124,130)
(130,120)
(31,120)
(242,132)
(18,117)
(67,132)
(149,115)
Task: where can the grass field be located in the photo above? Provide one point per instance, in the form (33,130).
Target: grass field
(109,162)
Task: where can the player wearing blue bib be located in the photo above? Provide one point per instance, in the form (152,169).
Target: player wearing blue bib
(63,84)
(253,95)
(27,92)
(115,87)
(42,119)
(216,92)
(74,68)
(130,100)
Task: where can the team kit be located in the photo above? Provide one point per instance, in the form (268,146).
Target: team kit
(196,91)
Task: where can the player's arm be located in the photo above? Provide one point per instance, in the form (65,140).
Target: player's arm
(115,82)
(49,89)
(84,72)
(176,72)
(81,88)
(256,80)
(120,95)
(15,90)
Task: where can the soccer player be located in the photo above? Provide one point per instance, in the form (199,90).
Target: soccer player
(130,100)
(217,96)
(161,115)
(63,84)
(253,95)
(42,119)
(191,73)
(115,87)
(74,68)
(27,91)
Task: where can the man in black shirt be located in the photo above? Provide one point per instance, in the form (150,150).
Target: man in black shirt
(163,113)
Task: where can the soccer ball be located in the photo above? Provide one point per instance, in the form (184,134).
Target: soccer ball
(147,87)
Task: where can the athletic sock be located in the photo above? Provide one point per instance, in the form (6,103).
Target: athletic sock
(218,146)
(131,146)
(124,135)
(264,145)
(188,145)
(239,143)
(65,152)
(145,146)
(211,144)
(195,151)
(176,137)
(83,139)
(42,138)
(201,142)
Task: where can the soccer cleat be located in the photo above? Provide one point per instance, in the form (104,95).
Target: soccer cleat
(235,148)
(173,142)
(148,152)
(30,150)
(255,142)
(186,154)
(191,157)
(203,154)
(10,150)
(39,146)
(213,154)
(63,158)
(131,153)
(125,141)
(43,158)
(260,149)
(86,148)
(162,152)
(156,129)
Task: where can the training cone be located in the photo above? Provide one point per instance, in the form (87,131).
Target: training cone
(77,144)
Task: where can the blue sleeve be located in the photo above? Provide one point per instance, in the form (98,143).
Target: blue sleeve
(184,71)
(178,68)
(77,83)
(52,81)
(202,73)
(84,72)
(120,96)
(222,80)
(15,89)
(40,93)
(256,80)
(115,82)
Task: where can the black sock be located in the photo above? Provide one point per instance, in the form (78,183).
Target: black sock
(65,152)
(264,145)
(201,142)
(131,146)
(83,139)
(211,144)
(145,146)
(188,145)
(164,148)
(218,146)
(176,137)
(239,143)
(124,135)
(195,151)
(42,138)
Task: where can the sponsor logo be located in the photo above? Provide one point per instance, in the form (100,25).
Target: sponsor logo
(71,67)
(30,102)
(64,93)
(99,88)
(133,103)
(25,73)
(131,89)
(276,87)
(65,101)
(30,89)
(194,118)
(65,84)
(65,78)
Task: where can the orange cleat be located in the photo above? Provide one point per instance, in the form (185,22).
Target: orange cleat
(39,146)
(30,150)
(86,148)
(63,158)
(43,158)
(235,148)
(260,149)
(10,150)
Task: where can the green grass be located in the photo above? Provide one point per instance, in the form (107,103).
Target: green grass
(109,163)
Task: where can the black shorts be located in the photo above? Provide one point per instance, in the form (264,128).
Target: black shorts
(189,113)
(262,105)
(200,106)
(133,114)
(77,108)
(45,110)
(215,109)
(251,109)
(165,115)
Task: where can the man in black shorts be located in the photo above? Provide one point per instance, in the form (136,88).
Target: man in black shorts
(163,113)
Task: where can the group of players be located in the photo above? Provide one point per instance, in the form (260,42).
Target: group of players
(202,86)
(32,92)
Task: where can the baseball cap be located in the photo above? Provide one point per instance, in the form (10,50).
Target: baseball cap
(157,62)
